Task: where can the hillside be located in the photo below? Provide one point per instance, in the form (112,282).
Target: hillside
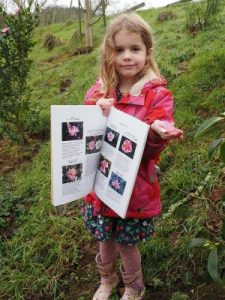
(45,253)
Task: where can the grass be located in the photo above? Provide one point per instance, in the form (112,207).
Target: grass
(45,253)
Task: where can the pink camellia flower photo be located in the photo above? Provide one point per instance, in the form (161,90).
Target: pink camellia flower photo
(116,184)
(72,129)
(71,174)
(91,145)
(127,146)
(110,136)
(103,166)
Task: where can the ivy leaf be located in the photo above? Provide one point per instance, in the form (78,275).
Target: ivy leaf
(208,123)
(212,266)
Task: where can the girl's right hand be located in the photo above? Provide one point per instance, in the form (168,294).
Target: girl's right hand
(105,104)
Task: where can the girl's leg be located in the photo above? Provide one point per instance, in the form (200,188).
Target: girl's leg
(105,261)
(130,256)
(108,250)
(131,271)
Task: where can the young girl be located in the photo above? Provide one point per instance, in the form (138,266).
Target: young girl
(131,82)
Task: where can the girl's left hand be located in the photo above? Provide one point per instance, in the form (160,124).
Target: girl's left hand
(105,104)
(166,130)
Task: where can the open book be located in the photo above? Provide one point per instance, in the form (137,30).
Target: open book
(91,152)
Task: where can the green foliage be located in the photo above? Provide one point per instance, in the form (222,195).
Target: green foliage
(179,296)
(39,251)
(15,46)
(216,256)
(218,142)
(212,265)
(12,205)
(207,124)
(43,248)
(202,14)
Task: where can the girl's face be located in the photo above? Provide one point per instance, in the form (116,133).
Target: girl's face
(130,55)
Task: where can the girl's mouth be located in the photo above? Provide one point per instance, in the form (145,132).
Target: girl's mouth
(127,66)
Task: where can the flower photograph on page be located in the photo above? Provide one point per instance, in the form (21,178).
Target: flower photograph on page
(111,137)
(72,131)
(117,183)
(104,165)
(93,143)
(71,173)
(127,147)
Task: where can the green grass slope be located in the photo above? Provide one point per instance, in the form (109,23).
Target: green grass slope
(45,253)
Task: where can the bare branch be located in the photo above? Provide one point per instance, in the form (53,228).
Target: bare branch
(90,24)
(81,6)
(97,7)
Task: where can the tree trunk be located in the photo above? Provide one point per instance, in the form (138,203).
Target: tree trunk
(53,14)
(88,31)
(103,12)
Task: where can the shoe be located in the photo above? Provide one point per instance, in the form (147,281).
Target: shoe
(131,294)
(134,286)
(106,287)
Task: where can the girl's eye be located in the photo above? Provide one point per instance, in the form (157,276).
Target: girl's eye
(135,49)
(119,50)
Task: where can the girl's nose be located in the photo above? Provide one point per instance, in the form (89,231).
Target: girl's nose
(127,54)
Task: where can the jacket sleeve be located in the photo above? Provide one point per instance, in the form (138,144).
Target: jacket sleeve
(93,94)
(161,108)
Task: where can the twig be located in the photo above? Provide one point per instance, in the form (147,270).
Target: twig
(192,194)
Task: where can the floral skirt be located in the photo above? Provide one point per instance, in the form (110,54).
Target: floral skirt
(125,231)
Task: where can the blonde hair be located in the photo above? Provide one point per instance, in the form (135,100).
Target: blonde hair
(133,23)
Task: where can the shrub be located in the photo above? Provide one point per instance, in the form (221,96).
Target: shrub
(15,46)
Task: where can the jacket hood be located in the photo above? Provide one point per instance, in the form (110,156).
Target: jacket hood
(150,80)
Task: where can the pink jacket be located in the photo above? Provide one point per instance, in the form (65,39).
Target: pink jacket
(148,100)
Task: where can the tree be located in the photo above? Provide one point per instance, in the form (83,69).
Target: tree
(54,8)
(88,14)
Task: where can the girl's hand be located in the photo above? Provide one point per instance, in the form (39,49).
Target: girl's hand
(166,130)
(105,104)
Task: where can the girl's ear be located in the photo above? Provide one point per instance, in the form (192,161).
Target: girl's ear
(149,51)
(148,54)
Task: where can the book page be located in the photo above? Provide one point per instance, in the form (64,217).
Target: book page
(121,153)
(76,138)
